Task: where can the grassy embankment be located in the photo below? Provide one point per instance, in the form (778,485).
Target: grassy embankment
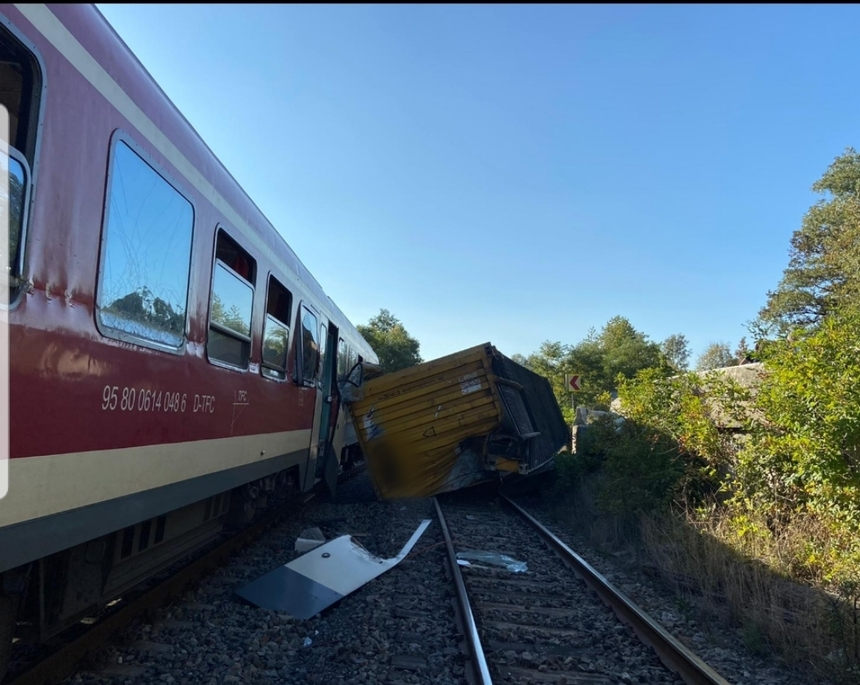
(746,499)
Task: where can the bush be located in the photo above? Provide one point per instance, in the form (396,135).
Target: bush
(803,457)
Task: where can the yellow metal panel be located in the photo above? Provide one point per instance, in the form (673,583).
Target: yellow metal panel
(507,465)
(411,423)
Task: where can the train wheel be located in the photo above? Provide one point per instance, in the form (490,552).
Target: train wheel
(286,487)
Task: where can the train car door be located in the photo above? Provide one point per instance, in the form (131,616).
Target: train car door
(328,343)
(310,356)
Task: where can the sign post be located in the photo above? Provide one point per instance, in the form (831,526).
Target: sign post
(573,383)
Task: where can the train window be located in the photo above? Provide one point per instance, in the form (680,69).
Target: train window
(16,201)
(341,359)
(352,359)
(230,254)
(310,350)
(146,258)
(20,92)
(323,348)
(229,338)
(276,331)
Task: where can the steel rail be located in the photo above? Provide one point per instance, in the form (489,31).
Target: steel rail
(59,665)
(477,660)
(671,652)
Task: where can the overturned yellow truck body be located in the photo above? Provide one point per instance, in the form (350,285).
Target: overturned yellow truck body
(456,421)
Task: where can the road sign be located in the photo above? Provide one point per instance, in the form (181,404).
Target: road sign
(573,383)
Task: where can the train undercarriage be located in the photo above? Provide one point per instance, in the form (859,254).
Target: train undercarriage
(43,598)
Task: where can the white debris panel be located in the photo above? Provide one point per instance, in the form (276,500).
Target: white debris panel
(321,577)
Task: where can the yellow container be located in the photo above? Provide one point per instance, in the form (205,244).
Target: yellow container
(446,424)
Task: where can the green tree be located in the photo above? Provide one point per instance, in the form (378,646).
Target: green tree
(393,345)
(671,446)
(586,360)
(142,306)
(625,351)
(823,273)
(715,356)
(803,456)
(15,201)
(231,318)
(676,349)
(552,362)
(617,350)
(742,351)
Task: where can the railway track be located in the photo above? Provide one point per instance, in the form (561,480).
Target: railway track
(57,661)
(544,626)
(553,623)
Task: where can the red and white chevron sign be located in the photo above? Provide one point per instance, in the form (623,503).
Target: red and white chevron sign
(573,383)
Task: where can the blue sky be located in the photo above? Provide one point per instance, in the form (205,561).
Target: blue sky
(515,174)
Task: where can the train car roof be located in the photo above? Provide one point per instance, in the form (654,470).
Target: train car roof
(182,142)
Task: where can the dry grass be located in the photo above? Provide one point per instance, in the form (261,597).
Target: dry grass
(744,580)
(578,508)
(748,583)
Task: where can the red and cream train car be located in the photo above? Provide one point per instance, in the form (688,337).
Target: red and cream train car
(172,360)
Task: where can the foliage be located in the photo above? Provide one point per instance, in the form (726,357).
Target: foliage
(231,318)
(782,500)
(823,274)
(15,203)
(715,356)
(682,414)
(788,496)
(571,469)
(617,350)
(625,351)
(803,458)
(393,345)
(642,468)
(142,306)
(676,350)
(743,354)
(552,361)
(668,450)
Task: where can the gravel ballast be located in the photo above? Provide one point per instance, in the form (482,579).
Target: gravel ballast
(544,622)
(398,628)
(721,646)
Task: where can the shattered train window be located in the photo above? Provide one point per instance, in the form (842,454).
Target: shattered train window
(143,288)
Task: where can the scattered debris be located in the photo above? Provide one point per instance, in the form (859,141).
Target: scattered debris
(309,539)
(494,559)
(321,577)
(307,642)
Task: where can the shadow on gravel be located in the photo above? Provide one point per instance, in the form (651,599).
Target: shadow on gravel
(812,630)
